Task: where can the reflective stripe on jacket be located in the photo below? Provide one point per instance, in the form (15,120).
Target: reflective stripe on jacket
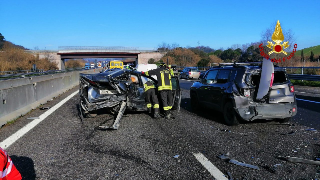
(7,169)
(148,85)
(163,77)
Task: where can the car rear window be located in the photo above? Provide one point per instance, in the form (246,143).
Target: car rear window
(195,70)
(279,77)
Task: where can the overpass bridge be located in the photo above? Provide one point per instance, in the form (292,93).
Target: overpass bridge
(130,54)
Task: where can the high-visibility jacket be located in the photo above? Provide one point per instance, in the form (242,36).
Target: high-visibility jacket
(7,169)
(148,85)
(163,77)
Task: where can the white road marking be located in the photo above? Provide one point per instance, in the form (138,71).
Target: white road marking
(308,101)
(14,137)
(302,92)
(214,171)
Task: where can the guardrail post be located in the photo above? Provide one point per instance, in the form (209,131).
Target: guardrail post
(302,70)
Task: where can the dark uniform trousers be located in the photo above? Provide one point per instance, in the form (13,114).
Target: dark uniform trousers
(167,99)
(151,97)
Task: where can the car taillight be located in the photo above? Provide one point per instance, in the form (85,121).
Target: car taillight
(246,92)
(272,77)
(294,110)
(189,72)
(291,89)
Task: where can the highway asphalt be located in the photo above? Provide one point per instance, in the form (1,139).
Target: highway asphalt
(64,147)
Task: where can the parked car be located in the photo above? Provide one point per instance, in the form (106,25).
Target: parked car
(117,90)
(87,66)
(190,73)
(246,92)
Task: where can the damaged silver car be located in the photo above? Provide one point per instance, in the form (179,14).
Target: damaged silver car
(246,91)
(116,91)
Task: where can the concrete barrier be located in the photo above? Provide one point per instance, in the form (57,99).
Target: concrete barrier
(19,96)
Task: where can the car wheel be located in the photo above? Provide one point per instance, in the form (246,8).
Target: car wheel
(195,105)
(180,77)
(188,77)
(285,120)
(229,114)
(92,114)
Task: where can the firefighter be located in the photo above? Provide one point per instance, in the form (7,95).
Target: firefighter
(170,70)
(152,99)
(7,169)
(164,87)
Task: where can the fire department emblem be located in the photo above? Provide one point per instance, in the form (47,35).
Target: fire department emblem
(278,37)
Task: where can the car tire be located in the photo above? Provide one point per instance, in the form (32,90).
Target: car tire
(285,120)
(188,78)
(229,114)
(180,77)
(92,114)
(195,105)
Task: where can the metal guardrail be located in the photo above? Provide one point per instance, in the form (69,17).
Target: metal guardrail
(305,77)
(25,73)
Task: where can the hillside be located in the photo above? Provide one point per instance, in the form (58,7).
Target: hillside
(307,51)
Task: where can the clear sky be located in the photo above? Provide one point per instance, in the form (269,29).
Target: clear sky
(144,24)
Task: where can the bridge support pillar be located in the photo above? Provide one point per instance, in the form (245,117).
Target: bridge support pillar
(62,65)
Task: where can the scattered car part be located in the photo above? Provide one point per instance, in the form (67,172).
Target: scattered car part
(299,160)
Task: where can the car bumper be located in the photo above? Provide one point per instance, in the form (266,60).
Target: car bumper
(267,111)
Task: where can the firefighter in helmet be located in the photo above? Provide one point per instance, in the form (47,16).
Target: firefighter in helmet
(164,87)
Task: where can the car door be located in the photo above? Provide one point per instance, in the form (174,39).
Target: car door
(266,78)
(186,70)
(136,92)
(181,73)
(204,92)
(176,93)
(218,89)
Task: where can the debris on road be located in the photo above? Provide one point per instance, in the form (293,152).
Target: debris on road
(299,160)
(233,161)
(33,118)
(230,176)
(176,156)
(43,108)
(311,129)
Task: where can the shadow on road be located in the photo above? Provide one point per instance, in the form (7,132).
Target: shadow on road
(25,166)
(203,112)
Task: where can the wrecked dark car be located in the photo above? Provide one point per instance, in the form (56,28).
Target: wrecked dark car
(116,91)
(246,91)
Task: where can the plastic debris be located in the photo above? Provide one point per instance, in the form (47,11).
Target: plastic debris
(43,108)
(230,176)
(33,118)
(233,161)
(311,129)
(299,160)
(176,156)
